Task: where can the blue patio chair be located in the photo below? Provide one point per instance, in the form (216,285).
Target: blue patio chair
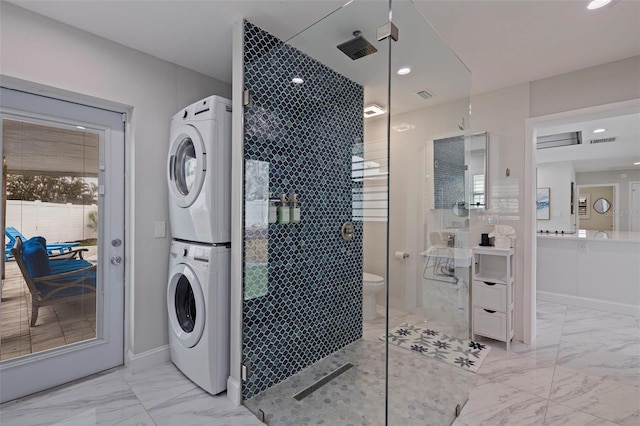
(50,280)
(12,233)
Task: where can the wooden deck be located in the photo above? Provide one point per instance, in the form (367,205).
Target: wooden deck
(57,325)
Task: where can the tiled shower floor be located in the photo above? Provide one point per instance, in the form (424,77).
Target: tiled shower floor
(421,390)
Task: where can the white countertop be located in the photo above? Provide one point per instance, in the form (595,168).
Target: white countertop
(583,234)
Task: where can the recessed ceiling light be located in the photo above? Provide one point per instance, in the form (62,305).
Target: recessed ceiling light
(297,80)
(372,110)
(597,4)
(80,127)
(404,71)
(599,130)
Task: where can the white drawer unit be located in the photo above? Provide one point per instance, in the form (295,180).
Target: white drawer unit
(492,293)
(493,324)
(489,295)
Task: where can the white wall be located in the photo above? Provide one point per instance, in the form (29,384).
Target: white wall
(33,218)
(603,84)
(557,177)
(46,52)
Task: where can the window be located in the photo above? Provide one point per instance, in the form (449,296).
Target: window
(369,172)
(477,190)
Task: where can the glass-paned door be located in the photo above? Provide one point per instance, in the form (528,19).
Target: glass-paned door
(62,303)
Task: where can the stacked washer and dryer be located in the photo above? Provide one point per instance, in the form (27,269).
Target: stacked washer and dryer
(199,178)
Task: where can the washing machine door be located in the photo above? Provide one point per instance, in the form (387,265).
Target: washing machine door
(185,302)
(187,166)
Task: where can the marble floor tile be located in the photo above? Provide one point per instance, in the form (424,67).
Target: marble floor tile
(627,333)
(142,419)
(197,407)
(159,384)
(606,399)
(520,372)
(544,348)
(561,415)
(550,307)
(618,360)
(579,319)
(105,398)
(497,404)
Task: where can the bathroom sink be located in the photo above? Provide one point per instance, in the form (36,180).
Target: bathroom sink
(462,256)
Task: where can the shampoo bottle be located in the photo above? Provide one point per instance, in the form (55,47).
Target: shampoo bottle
(273,209)
(295,209)
(283,210)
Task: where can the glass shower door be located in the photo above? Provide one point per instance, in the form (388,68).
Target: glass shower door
(331,130)
(429,353)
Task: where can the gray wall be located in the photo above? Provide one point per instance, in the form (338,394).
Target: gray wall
(46,52)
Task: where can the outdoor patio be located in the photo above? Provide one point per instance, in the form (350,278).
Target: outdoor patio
(57,325)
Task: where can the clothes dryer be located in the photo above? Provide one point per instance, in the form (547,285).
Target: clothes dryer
(199,172)
(198,305)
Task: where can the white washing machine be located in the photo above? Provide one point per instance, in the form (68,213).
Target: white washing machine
(198,304)
(199,172)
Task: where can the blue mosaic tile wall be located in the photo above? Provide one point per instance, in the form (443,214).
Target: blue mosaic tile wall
(448,168)
(306,133)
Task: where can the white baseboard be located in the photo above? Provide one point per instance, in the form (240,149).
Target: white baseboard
(145,360)
(584,302)
(234,392)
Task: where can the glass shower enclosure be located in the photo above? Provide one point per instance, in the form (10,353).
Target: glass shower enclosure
(338,155)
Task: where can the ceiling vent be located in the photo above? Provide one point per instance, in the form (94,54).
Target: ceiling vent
(425,94)
(604,140)
(561,139)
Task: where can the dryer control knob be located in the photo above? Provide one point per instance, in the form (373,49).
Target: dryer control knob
(185,252)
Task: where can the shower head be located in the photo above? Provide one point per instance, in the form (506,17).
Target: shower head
(358,47)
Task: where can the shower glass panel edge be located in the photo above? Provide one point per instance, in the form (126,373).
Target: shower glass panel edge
(429,319)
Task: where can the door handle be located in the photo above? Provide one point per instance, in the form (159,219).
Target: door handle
(172,164)
(116,260)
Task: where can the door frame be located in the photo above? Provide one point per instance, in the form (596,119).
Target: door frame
(614,206)
(31,87)
(530,242)
(631,212)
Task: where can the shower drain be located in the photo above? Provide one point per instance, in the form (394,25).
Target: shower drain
(321,382)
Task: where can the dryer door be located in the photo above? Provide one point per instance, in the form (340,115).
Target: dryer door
(186,166)
(185,301)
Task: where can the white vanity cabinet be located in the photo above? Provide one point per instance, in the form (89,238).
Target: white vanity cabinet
(492,293)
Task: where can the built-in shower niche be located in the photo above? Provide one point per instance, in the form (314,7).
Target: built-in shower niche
(256,229)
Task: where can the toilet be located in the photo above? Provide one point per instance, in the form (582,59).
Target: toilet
(371,285)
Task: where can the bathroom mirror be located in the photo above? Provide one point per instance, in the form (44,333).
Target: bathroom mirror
(476,170)
(602,205)
(460,173)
